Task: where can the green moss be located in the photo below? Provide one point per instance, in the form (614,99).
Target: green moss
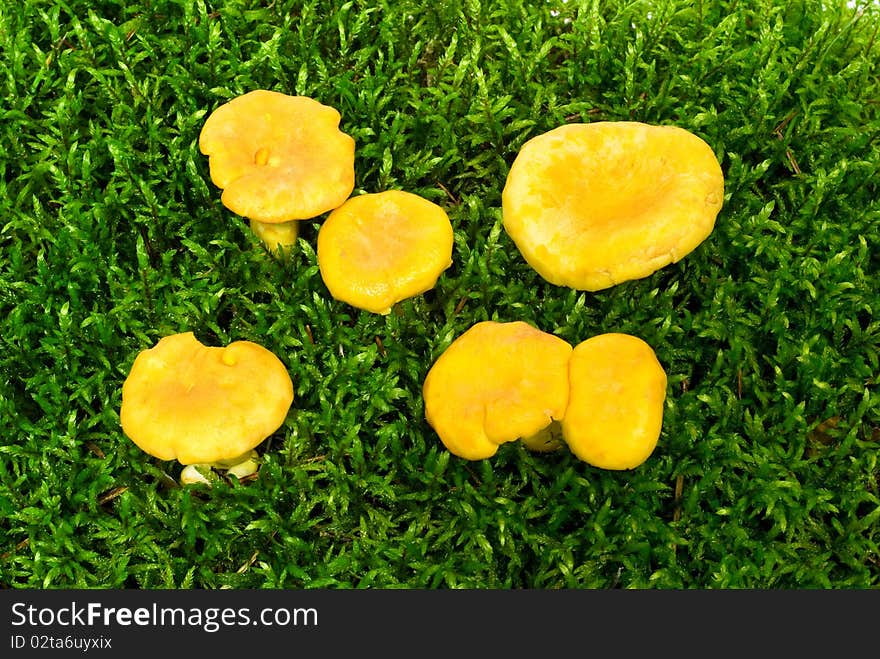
(113,236)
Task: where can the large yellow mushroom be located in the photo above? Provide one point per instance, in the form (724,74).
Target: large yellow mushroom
(378,249)
(497,382)
(278,159)
(206,407)
(593,205)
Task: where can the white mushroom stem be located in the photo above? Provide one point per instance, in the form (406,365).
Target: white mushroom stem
(275,235)
(244,468)
(193,474)
(240,467)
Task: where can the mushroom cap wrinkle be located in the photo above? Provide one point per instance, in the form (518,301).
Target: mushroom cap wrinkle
(278,157)
(197,404)
(593,205)
(380,248)
(495,383)
(615,405)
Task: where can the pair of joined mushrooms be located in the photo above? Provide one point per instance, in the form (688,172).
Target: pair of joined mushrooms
(503,381)
(280,159)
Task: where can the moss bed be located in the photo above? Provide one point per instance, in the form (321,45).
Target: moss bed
(112,236)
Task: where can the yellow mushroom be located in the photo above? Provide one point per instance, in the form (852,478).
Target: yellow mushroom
(378,249)
(593,205)
(497,382)
(206,407)
(615,405)
(278,159)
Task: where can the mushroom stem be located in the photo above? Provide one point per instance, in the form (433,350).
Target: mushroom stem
(278,234)
(196,473)
(249,465)
(545,440)
(240,467)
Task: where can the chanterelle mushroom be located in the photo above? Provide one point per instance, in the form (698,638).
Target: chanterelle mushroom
(615,405)
(378,249)
(593,205)
(497,382)
(205,406)
(278,159)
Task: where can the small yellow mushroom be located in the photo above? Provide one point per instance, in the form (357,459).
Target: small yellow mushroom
(378,249)
(206,407)
(615,405)
(279,159)
(497,382)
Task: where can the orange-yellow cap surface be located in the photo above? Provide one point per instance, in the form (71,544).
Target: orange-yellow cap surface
(497,382)
(615,405)
(278,157)
(593,205)
(197,404)
(378,249)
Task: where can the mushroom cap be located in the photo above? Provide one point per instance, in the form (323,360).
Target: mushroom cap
(198,404)
(278,157)
(593,205)
(615,405)
(378,249)
(495,383)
